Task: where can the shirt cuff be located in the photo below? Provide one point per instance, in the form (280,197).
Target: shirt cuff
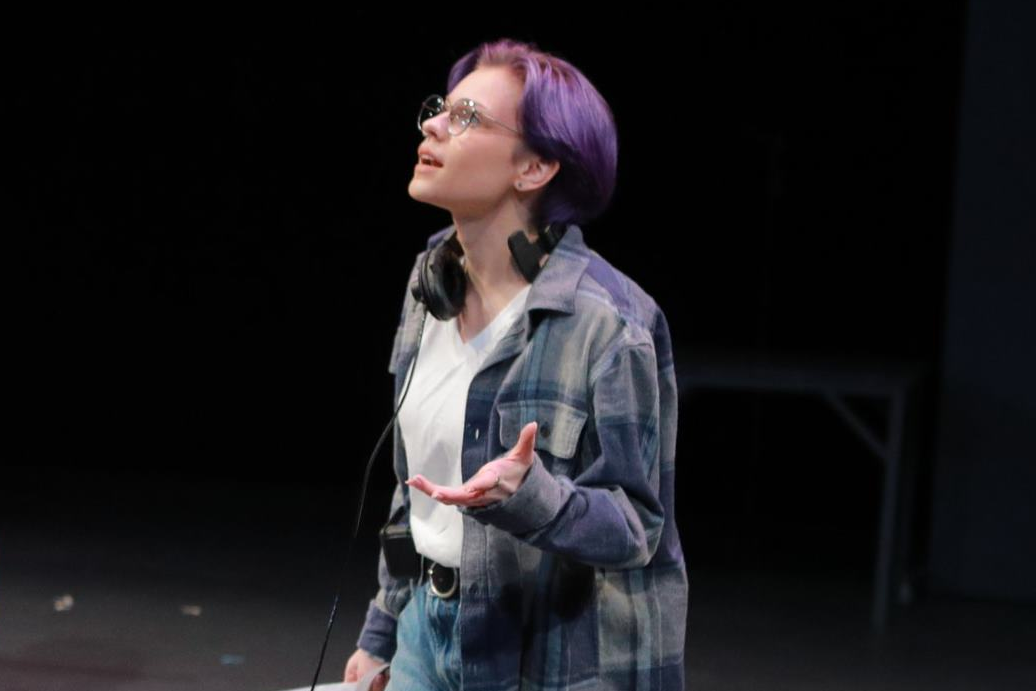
(536,503)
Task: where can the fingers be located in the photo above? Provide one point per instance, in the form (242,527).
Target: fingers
(475,492)
(380,682)
(441,493)
(427,486)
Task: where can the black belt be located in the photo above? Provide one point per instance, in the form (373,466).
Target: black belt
(444,580)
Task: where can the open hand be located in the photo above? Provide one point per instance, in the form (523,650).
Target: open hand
(495,481)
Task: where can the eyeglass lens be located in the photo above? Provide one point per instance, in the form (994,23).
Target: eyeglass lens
(460,115)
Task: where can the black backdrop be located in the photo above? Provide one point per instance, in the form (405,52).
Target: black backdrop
(212,234)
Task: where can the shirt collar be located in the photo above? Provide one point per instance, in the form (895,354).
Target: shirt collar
(555,285)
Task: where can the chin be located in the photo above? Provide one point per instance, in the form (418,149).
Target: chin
(414,190)
(418,196)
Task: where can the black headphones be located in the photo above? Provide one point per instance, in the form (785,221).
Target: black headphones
(441,283)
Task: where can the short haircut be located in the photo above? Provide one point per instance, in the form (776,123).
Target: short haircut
(563,118)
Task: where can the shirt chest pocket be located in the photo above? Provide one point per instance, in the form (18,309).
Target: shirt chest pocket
(558,430)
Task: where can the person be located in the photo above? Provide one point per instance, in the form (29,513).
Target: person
(535,450)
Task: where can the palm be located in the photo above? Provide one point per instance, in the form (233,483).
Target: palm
(484,487)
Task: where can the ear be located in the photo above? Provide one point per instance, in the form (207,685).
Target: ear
(535,172)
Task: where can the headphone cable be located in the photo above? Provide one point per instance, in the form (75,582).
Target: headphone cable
(363,494)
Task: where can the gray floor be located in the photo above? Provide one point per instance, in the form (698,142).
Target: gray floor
(257,601)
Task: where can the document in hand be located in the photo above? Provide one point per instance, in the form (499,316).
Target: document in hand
(363,684)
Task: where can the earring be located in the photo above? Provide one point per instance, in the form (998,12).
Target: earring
(519,185)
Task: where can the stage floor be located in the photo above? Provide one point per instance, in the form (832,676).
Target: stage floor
(228,603)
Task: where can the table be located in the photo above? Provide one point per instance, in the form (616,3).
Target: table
(898,383)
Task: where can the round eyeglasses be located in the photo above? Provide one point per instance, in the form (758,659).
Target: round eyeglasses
(462,113)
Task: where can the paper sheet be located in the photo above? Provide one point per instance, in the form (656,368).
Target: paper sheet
(363,684)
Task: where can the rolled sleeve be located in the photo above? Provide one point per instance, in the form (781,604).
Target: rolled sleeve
(378,636)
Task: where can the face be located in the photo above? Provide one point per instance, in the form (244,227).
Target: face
(481,165)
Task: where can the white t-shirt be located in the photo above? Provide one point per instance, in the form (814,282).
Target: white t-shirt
(432,423)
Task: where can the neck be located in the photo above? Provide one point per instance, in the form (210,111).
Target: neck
(493,279)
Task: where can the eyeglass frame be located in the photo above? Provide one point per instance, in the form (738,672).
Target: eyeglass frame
(476,111)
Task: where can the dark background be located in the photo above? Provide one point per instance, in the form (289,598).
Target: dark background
(218,236)
(211,235)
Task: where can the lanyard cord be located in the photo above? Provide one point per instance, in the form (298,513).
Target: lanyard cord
(359,512)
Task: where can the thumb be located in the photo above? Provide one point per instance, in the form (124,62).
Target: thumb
(526,442)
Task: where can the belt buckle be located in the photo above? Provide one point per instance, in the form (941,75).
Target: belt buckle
(435,589)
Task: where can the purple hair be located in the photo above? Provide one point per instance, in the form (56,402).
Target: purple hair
(563,118)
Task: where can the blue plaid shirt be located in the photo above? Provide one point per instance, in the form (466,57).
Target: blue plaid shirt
(578,579)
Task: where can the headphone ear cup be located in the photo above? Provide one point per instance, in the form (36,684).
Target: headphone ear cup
(453,283)
(441,282)
(525,255)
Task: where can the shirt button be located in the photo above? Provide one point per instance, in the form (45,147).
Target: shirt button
(476,433)
(544,429)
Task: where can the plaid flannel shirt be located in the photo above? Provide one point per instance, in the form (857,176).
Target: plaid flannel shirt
(576,581)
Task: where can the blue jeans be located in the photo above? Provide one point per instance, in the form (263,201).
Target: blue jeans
(427,644)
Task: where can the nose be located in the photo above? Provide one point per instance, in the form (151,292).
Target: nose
(436,124)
